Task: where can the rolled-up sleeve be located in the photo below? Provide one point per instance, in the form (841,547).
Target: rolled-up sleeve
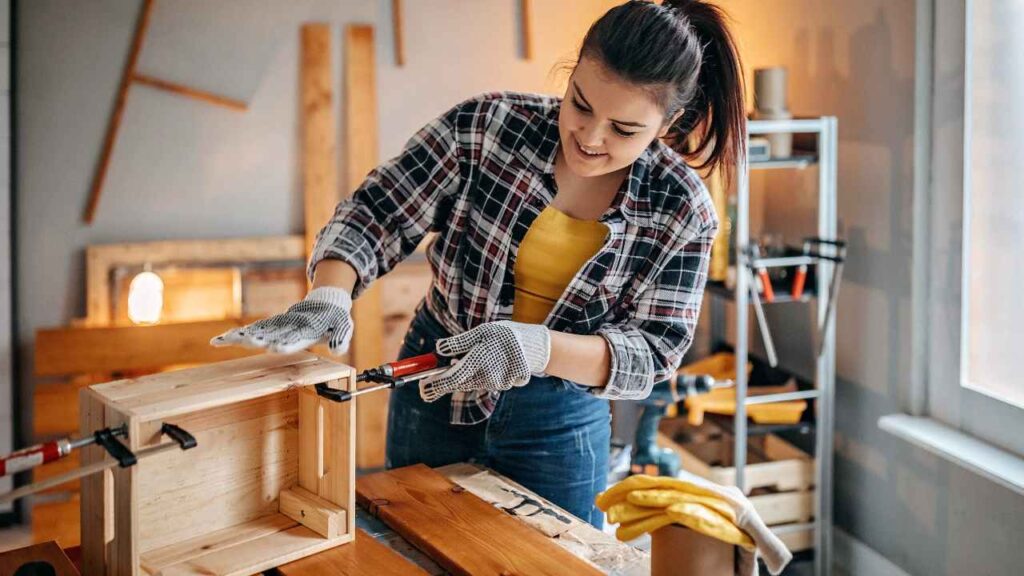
(648,347)
(396,206)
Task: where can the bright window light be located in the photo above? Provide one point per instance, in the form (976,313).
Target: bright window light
(145,298)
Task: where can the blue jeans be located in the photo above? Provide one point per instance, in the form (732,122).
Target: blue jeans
(548,435)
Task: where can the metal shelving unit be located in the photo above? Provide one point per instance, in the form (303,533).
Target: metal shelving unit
(825,158)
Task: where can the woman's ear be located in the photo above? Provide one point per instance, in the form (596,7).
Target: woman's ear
(668,124)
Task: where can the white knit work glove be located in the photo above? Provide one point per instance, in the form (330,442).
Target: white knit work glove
(498,356)
(326,312)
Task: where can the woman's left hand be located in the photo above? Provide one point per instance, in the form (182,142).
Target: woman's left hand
(494,356)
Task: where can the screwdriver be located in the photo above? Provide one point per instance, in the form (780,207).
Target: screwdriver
(390,375)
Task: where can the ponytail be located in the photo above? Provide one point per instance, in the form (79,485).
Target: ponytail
(683,51)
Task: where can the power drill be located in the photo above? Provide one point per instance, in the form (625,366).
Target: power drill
(648,457)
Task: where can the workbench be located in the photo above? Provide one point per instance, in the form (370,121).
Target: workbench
(379,550)
(466,519)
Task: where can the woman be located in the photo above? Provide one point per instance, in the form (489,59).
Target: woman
(571,256)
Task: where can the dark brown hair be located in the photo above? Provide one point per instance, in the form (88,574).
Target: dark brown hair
(682,51)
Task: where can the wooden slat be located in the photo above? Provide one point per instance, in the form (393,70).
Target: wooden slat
(319,140)
(362,557)
(398,30)
(94,489)
(255,556)
(100,260)
(123,553)
(63,351)
(325,518)
(189,92)
(311,440)
(115,118)
(158,560)
(338,482)
(161,396)
(458,530)
(526,13)
(54,410)
(48,552)
(58,520)
(360,101)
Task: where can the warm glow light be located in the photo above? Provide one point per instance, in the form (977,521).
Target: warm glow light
(145,298)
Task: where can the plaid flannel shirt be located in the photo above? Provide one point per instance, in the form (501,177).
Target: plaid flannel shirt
(478,176)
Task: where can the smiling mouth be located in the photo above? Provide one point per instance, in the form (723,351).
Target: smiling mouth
(583,151)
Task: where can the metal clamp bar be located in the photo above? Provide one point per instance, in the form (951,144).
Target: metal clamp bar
(782,397)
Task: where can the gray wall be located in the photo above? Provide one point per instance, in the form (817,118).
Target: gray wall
(855,60)
(6,333)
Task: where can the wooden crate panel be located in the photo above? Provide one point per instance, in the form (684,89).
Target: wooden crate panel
(58,521)
(772,462)
(232,504)
(190,295)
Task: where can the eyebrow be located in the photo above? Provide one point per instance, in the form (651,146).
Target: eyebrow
(623,122)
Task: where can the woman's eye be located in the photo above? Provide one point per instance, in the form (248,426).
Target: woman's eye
(623,133)
(579,106)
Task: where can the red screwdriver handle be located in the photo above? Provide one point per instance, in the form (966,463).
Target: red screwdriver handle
(416,364)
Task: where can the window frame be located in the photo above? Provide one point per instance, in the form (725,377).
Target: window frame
(938,389)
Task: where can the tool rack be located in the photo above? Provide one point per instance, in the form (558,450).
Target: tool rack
(824,158)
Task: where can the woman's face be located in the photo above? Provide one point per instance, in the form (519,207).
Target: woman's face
(605,123)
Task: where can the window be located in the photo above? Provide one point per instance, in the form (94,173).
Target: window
(969,227)
(993,209)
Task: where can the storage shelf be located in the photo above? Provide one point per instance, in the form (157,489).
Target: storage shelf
(727,424)
(796,161)
(719,289)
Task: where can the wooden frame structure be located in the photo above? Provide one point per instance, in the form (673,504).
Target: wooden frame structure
(271,480)
(101,260)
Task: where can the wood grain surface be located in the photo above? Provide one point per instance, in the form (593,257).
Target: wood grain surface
(458,530)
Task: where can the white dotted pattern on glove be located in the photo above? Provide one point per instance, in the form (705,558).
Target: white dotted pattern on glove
(325,313)
(498,356)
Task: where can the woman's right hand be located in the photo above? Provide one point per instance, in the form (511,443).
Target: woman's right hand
(325,313)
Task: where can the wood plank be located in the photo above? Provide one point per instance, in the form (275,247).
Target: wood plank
(158,560)
(123,553)
(319,138)
(100,175)
(189,92)
(338,482)
(161,396)
(362,557)
(58,520)
(360,150)
(100,260)
(461,532)
(12,561)
(94,489)
(398,32)
(234,475)
(256,555)
(271,291)
(325,518)
(54,410)
(526,13)
(311,440)
(64,351)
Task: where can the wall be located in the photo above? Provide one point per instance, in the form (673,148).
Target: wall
(6,284)
(855,60)
(186,169)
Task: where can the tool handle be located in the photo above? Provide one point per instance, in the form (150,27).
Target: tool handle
(29,458)
(416,364)
(798,282)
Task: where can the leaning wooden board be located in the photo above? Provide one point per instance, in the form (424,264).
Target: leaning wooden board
(458,530)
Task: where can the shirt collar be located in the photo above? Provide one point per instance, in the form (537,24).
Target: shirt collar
(633,200)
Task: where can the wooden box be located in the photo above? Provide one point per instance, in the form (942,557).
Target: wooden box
(779,477)
(272,478)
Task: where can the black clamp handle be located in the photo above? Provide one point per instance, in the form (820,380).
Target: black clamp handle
(114,447)
(322,389)
(179,435)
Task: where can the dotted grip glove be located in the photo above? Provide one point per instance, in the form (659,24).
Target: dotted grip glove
(325,313)
(498,356)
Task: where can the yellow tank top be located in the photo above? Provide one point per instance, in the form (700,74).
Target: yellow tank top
(555,247)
